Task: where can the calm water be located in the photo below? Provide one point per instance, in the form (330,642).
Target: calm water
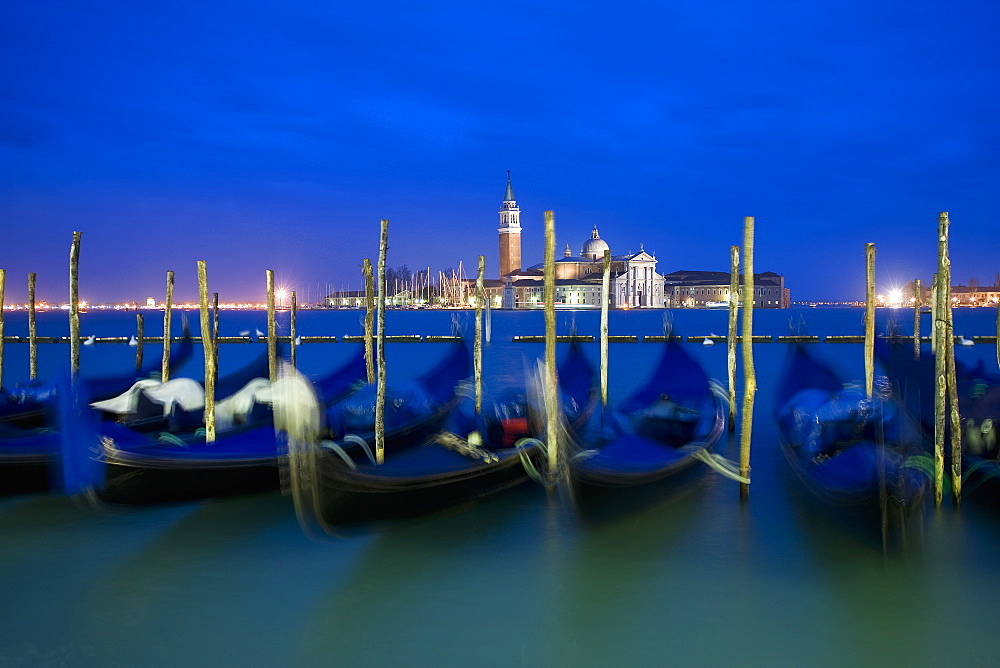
(697,580)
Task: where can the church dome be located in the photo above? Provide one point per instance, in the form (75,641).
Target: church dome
(594,247)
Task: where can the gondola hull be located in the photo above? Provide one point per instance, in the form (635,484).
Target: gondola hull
(30,449)
(376,494)
(602,493)
(637,454)
(438,474)
(139,469)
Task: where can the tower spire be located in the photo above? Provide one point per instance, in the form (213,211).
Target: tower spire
(510,232)
(509,195)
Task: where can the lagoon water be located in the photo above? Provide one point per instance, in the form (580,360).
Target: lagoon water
(699,579)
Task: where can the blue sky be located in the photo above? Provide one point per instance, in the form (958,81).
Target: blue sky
(276,135)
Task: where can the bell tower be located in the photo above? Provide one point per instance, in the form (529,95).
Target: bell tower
(510,233)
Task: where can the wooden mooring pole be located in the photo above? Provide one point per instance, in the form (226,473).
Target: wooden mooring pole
(140,331)
(917,305)
(477,358)
(605,298)
(74,304)
(550,380)
(366,271)
(32,330)
(168,306)
(869,318)
(209,349)
(734,307)
(383,246)
(749,373)
(941,340)
(272,334)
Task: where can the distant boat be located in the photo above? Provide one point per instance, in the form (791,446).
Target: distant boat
(716,304)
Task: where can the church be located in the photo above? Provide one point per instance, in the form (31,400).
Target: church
(634,280)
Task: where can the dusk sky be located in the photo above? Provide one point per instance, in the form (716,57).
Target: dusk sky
(276,135)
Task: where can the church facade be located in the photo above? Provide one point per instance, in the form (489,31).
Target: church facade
(635,282)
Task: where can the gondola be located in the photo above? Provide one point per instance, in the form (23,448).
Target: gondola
(29,438)
(648,447)
(978,390)
(178,405)
(138,469)
(471,457)
(31,405)
(851,452)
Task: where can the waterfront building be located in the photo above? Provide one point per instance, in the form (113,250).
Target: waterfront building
(346,299)
(705,289)
(961,295)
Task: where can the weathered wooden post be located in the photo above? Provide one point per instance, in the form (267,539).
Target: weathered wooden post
(369,320)
(32,330)
(3,288)
(918,296)
(948,350)
(168,306)
(734,308)
(550,380)
(209,347)
(477,358)
(380,348)
(140,330)
(749,373)
(272,335)
(605,298)
(940,358)
(74,305)
(293,329)
(869,318)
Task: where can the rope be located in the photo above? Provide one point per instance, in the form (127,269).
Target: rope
(719,464)
(174,439)
(334,447)
(719,392)
(526,462)
(357,440)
